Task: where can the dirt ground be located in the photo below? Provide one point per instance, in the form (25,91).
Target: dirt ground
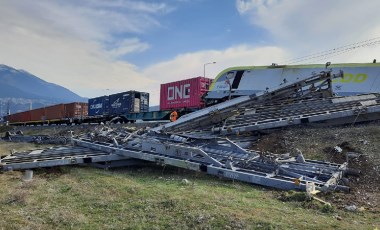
(323,143)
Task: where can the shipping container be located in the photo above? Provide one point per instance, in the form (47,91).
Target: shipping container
(75,110)
(47,113)
(12,118)
(19,117)
(37,114)
(98,106)
(54,112)
(128,102)
(184,94)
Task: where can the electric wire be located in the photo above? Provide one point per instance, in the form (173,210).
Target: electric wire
(336,51)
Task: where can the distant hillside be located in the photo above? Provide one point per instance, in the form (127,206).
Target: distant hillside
(22,90)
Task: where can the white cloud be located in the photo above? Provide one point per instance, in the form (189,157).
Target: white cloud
(127,46)
(75,64)
(244,6)
(95,20)
(311,26)
(129,5)
(64,42)
(102,19)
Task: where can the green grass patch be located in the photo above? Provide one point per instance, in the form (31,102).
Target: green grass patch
(156,198)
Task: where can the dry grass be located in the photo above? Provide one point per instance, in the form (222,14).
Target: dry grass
(153,198)
(7,147)
(4,129)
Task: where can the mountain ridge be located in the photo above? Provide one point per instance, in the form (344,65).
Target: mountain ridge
(20,89)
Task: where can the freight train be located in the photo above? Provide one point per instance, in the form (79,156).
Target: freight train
(71,113)
(129,106)
(184,96)
(192,94)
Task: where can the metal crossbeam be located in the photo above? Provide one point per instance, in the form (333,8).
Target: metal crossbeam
(219,157)
(55,157)
(261,117)
(249,167)
(217,113)
(275,116)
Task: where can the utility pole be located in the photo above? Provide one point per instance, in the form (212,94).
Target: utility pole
(8,108)
(8,113)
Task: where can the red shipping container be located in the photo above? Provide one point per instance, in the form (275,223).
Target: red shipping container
(76,110)
(37,114)
(12,117)
(24,116)
(184,94)
(54,112)
(19,117)
(45,113)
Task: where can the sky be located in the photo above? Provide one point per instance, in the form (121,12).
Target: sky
(101,47)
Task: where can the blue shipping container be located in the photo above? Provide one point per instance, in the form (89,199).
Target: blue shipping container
(120,103)
(98,106)
(128,102)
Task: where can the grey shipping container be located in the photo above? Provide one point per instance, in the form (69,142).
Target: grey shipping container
(128,102)
(98,106)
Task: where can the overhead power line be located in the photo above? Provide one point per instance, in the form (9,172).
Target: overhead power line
(336,51)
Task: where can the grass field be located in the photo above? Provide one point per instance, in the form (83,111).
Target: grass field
(156,197)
